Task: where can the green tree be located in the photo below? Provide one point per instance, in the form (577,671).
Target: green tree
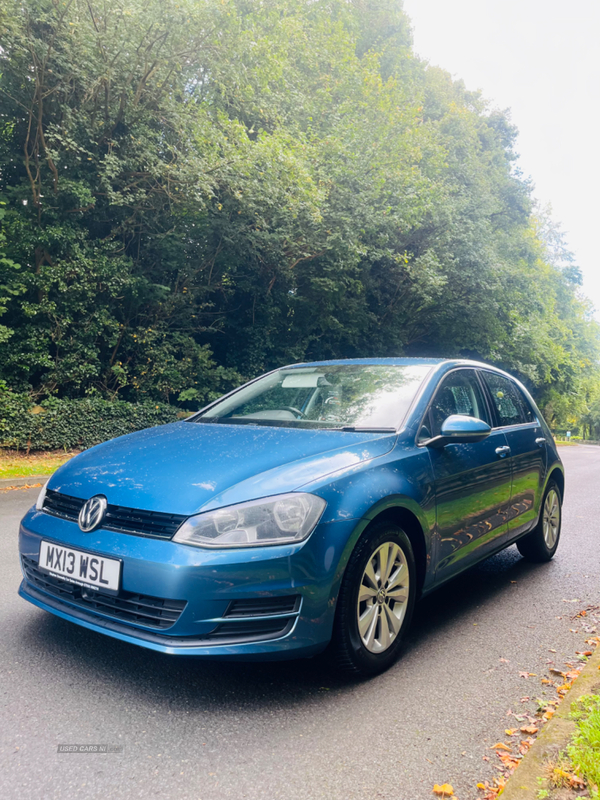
(197,192)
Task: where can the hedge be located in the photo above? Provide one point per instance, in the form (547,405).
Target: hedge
(68,424)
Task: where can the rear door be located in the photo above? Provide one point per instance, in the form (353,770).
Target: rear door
(472,481)
(526,439)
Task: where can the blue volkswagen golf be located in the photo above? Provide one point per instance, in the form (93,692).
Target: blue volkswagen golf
(308,509)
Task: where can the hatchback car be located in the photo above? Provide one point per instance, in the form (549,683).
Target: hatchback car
(306,510)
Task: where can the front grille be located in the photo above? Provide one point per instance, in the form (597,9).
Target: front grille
(62,505)
(141,609)
(263,606)
(142,523)
(117,518)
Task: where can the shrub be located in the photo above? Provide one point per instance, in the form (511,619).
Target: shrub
(57,424)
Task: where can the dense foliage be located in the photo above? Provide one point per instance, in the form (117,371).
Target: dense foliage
(67,424)
(197,191)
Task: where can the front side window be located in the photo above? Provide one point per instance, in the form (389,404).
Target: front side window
(459,393)
(337,396)
(508,400)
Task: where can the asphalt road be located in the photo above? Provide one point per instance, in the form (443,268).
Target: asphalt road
(210,731)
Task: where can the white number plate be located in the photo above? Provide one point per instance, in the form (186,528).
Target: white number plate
(83,569)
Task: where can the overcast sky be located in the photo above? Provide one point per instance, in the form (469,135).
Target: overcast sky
(541,59)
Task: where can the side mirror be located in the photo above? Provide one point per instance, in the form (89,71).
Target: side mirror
(459,429)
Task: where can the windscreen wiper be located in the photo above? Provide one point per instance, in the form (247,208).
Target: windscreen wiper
(359,429)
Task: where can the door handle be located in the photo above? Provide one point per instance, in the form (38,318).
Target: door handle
(503,451)
(540,441)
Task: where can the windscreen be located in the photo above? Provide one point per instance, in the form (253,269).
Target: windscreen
(348,396)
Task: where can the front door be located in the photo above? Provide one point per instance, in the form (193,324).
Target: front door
(472,481)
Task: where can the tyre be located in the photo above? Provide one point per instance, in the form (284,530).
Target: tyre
(375,603)
(540,545)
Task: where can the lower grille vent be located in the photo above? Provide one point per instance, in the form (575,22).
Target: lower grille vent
(140,609)
(263,606)
(247,630)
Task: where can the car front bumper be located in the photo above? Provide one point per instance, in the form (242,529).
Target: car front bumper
(249,603)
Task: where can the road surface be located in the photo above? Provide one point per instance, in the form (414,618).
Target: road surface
(214,731)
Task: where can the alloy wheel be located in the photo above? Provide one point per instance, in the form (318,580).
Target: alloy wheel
(383,597)
(551,519)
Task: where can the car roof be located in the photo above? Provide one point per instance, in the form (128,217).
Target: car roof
(405,362)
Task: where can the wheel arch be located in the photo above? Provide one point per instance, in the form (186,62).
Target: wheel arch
(406,514)
(404,518)
(558,476)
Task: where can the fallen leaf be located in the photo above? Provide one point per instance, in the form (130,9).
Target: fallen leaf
(529,729)
(511,731)
(548,714)
(561,774)
(523,674)
(545,680)
(575,782)
(555,671)
(445,790)
(500,746)
(492,791)
(508,761)
(20,488)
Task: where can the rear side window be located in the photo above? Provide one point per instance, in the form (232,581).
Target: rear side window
(511,406)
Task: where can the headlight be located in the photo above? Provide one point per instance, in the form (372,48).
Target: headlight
(39,503)
(272,520)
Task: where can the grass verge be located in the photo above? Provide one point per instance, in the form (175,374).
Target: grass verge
(575,772)
(584,750)
(19,465)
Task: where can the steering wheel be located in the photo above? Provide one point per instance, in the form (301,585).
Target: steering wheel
(301,414)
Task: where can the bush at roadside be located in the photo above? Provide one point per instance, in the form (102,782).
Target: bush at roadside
(67,424)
